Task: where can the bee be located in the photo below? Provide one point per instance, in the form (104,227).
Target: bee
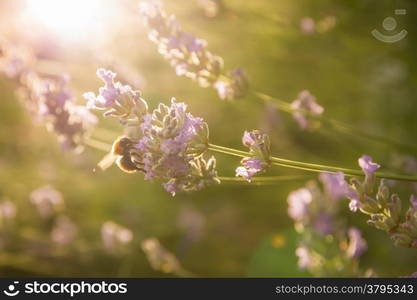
(122,149)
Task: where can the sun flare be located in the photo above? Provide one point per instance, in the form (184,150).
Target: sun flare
(67,18)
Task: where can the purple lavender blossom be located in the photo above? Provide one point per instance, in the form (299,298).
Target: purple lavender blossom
(188,55)
(234,86)
(304,258)
(47,200)
(367,165)
(117,99)
(323,223)
(251,166)
(259,147)
(304,106)
(357,245)
(168,143)
(64,231)
(298,204)
(354,203)
(335,184)
(115,237)
(47,97)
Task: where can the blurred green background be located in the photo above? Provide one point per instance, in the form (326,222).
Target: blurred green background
(358,79)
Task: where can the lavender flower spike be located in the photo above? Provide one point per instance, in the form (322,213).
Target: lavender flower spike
(189,55)
(304,258)
(117,99)
(166,145)
(259,147)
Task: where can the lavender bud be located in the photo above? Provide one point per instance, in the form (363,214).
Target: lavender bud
(383,193)
(370,206)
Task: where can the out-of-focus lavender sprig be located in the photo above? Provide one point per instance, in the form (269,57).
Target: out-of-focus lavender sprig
(306,102)
(259,147)
(47,200)
(189,55)
(327,247)
(116,238)
(166,144)
(47,97)
(161,259)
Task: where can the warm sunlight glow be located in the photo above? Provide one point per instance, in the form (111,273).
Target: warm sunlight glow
(67,18)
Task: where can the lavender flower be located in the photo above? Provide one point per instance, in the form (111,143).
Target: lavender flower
(354,203)
(234,86)
(367,165)
(7,210)
(357,245)
(168,143)
(335,184)
(117,99)
(323,223)
(14,60)
(259,147)
(322,234)
(69,121)
(384,210)
(304,258)
(47,200)
(159,258)
(305,107)
(298,203)
(115,237)
(188,55)
(192,222)
(64,231)
(47,98)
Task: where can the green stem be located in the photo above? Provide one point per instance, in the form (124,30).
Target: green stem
(309,166)
(265,180)
(337,125)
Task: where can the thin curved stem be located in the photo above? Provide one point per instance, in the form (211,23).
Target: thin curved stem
(309,166)
(265,180)
(338,125)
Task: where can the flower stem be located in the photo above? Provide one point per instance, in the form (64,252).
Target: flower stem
(265,180)
(309,166)
(337,125)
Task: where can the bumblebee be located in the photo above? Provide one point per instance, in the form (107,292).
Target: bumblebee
(122,149)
